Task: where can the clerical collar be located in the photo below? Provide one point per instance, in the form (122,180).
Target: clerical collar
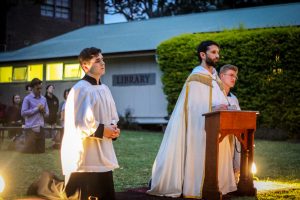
(91,80)
(201,69)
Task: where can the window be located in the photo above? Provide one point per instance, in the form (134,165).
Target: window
(6,74)
(56,8)
(54,71)
(24,73)
(73,71)
(60,71)
(47,8)
(35,71)
(20,74)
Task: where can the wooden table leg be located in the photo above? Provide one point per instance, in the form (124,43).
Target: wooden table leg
(211,184)
(245,185)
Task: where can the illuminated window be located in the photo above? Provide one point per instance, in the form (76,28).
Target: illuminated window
(35,71)
(20,74)
(54,71)
(6,74)
(72,71)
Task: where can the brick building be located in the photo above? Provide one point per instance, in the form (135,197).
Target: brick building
(26,22)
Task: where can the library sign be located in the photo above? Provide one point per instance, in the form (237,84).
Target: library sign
(133,79)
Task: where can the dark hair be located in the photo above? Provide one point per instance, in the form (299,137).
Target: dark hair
(65,93)
(203,47)
(27,87)
(13,98)
(49,86)
(87,54)
(35,82)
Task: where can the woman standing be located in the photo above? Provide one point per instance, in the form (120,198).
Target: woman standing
(14,117)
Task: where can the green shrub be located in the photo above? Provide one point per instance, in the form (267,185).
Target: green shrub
(269,70)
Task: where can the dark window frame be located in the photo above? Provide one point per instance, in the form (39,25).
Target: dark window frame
(58,9)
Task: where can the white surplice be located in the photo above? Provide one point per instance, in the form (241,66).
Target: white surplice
(236,145)
(180,163)
(88,106)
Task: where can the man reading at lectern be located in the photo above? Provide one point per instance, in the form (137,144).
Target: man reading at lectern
(179,166)
(228,75)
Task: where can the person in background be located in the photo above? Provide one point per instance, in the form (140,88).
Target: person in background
(53,105)
(62,107)
(13,115)
(228,75)
(34,110)
(51,120)
(2,113)
(28,89)
(59,135)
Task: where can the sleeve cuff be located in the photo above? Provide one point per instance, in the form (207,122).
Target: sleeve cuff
(99,131)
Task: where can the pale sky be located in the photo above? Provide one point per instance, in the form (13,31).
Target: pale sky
(109,19)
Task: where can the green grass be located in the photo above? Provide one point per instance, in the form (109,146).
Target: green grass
(278,161)
(136,151)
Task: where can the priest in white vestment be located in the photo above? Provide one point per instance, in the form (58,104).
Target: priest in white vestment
(87,153)
(178,169)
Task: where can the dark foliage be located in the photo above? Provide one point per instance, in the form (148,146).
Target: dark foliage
(145,9)
(269,71)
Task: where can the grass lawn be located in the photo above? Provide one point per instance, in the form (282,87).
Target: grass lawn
(136,151)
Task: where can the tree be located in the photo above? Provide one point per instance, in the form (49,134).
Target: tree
(131,9)
(145,9)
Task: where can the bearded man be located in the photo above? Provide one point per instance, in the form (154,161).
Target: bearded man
(179,166)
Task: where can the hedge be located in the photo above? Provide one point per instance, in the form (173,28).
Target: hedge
(269,70)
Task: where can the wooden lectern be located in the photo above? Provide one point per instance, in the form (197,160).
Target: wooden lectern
(218,125)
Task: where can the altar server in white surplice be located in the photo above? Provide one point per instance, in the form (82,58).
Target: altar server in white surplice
(87,152)
(180,163)
(228,75)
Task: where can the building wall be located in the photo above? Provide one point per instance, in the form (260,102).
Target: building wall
(147,103)
(25,25)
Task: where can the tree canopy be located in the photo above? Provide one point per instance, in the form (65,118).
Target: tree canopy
(145,9)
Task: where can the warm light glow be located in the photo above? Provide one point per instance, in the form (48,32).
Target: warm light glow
(35,71)
(272,185)
(73,71)
(54,71)
(71,142)
(19,73)
(2,184)
(6,74)
(253,168)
